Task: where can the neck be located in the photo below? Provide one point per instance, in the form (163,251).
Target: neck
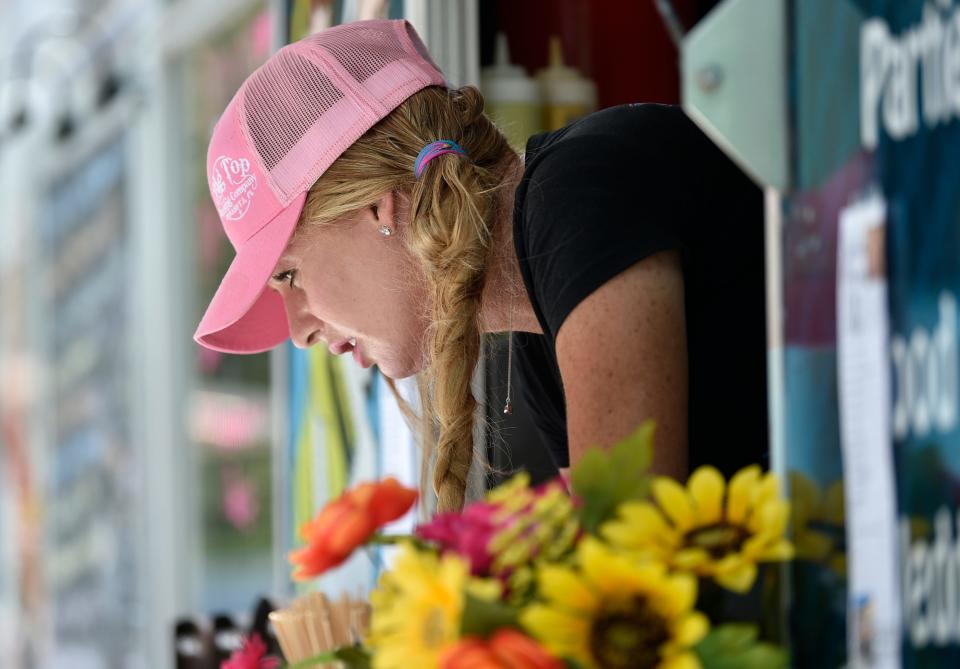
(505,305)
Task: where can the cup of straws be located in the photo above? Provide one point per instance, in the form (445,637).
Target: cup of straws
(313,624)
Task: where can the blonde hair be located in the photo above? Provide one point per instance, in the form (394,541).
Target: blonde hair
(452,208)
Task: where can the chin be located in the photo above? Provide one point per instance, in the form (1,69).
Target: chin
(395,377)
(397,370)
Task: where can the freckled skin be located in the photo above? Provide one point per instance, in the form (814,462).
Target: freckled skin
(623,358)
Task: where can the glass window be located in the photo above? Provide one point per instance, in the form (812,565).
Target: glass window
(229,409)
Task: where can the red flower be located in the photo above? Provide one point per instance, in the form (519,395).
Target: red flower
(251,655)
(347,523)
(506,649)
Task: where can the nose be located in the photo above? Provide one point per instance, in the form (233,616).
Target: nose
(304,326)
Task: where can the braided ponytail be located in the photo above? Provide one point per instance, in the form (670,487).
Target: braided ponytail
(452,207)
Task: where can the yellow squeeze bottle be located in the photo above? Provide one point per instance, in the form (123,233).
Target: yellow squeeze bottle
(567,95)
(511,98)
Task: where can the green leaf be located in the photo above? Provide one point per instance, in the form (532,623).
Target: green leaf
(735,646)
(354,657)
(350,657)
(482,617)
(606,478)
(636,451)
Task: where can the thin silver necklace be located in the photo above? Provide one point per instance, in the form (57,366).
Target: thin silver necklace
(508,405)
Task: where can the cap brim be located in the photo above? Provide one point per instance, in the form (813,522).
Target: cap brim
(244,316)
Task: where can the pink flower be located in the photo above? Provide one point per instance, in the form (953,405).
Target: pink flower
(467,534)
(251,655)
(511,516)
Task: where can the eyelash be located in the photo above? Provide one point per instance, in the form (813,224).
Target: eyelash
(285,277)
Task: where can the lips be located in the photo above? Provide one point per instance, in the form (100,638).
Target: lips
(342,346)
(358,357)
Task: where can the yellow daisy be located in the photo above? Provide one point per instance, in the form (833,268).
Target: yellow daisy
(608,611)
(709,528)
(417,608)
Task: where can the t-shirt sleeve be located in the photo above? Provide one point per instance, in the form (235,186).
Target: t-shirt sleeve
(596,205)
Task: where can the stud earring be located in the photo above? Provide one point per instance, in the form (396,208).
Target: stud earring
(385,231)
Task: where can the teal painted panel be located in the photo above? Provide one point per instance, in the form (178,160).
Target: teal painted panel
(733,84)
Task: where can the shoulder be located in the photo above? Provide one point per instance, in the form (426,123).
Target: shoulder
(617,121)
(596,197)
(638,149)
(623,128)
(633,120)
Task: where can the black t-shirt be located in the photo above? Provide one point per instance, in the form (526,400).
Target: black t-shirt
(604,193)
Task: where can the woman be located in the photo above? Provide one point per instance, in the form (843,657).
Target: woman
(379,213)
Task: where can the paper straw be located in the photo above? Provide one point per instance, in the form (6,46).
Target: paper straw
(285,642)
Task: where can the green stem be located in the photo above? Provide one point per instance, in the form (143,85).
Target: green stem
(311,662)
(395,539)
(350,657)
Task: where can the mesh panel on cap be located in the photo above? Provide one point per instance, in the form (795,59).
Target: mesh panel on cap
(362,50)
(282,101)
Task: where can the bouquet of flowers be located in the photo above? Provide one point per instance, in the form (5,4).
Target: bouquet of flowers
(618,572)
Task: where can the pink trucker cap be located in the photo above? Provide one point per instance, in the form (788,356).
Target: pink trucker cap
(287,124)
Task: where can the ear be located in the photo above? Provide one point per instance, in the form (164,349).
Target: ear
(385,211)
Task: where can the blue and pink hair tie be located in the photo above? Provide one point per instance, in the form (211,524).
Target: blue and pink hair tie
(432,150)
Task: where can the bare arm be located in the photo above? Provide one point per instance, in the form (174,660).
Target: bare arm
(623,358)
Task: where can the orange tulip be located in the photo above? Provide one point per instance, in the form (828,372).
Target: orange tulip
(506,649)
(469,653)
(516,650)
(347,523)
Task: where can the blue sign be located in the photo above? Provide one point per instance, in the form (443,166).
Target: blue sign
(876,108)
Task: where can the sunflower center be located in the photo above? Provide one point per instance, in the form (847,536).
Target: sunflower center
(718,540)
(434,630)
(629,638)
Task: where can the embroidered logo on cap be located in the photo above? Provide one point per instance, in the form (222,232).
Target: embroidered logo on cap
(233,187)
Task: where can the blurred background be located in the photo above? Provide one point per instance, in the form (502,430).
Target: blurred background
(150,489)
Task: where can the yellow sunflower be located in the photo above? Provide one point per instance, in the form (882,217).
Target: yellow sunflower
(417,608)
(609,611)
(709,528)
